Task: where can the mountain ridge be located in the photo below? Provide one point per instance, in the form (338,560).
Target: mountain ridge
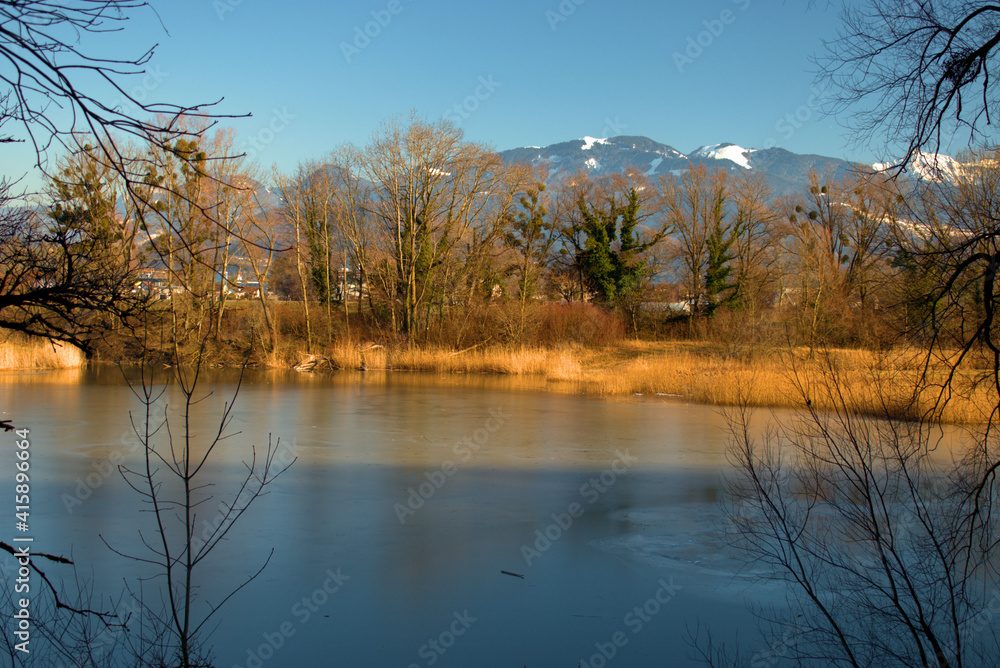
(785,171)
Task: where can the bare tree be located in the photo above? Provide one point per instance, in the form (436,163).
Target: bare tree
(70,623)
(695,205)
(839,237)
(49,60)
(871,530)
(886,536)
(755,240)
(170,483)
(530,238)
(67,277)
(44,62)
(888,545)
(569,273)
(229,199)
(47,65)
(181,233)
(951,237)
(353,197)
(260,244)
(915,72)
(296,210)
(435,197)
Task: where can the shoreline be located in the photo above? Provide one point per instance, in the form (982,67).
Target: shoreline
(866,381)
(873,383)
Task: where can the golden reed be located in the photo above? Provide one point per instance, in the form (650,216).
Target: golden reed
(21,352)
(897,383)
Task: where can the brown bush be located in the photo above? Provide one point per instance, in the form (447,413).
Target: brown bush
(578,322)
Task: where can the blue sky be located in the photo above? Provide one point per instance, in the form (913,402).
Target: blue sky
(317,75)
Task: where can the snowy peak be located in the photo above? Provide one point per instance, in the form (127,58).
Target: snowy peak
(601,156)
(934,167)
(731,152)
(644,144)
(589,142)
(786,172)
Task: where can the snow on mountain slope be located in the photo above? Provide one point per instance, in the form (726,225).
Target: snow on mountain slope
(927,167)
(785,172)
(588,142)
(731,152)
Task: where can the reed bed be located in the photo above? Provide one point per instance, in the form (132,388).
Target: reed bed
(557,364)
(20,352)
(865,381)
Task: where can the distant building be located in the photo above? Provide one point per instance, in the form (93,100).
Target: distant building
(152,282)
(240,286)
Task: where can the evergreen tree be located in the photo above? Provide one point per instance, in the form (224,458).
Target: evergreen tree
(718,290)
(611,256)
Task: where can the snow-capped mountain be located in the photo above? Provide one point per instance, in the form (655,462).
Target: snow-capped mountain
(601,156)
(786,172)
(732,152)
(927,167)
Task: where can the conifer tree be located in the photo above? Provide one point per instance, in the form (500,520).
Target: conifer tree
(718,289)
(612,253)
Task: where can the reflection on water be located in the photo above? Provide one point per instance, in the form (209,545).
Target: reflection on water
(45,377)
(409,497)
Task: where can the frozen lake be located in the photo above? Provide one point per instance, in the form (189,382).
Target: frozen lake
(410,496)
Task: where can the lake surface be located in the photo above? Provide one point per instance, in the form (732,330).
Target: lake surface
(409,496)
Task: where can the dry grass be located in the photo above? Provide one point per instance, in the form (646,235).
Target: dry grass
(557,364)
(879,383)
(20,352)
(865,381)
